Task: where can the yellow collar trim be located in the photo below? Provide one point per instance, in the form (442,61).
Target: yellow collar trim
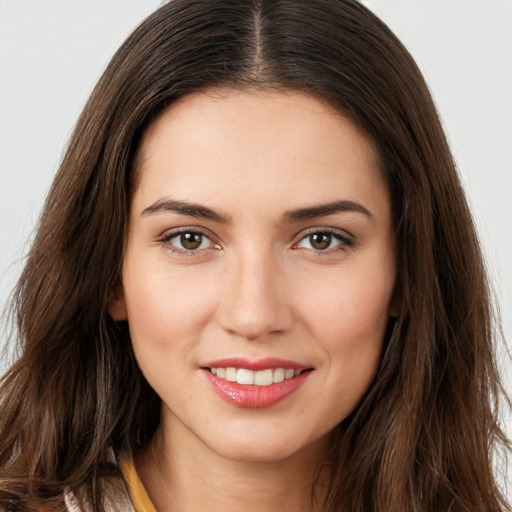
(138,495)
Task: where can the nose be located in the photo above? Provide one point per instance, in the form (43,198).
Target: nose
(255,302)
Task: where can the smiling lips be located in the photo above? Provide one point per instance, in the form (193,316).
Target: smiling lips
(255,385)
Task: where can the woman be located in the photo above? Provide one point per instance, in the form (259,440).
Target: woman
(256,283)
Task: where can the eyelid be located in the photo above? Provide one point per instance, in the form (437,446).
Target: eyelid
(346,239)
(168,235)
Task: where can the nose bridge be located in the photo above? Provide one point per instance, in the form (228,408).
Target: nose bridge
(254,304)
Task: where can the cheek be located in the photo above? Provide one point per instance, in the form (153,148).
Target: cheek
(348,318)
(167,312)
(349,304)
(166,308)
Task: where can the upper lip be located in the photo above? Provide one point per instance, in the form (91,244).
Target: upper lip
(254,365)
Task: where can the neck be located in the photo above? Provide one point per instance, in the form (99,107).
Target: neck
(190,477)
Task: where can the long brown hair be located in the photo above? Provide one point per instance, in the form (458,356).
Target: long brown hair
(424,437)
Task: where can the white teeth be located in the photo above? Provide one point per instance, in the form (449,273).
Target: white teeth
(278,375)
(289,373)
(264,377)
(244,376)
(230,374)
(259,378)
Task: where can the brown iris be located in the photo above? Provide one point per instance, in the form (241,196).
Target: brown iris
(320,241)
(191,241)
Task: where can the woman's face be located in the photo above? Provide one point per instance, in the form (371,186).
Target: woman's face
(258,270)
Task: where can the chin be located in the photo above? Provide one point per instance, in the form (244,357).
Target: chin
(267,446)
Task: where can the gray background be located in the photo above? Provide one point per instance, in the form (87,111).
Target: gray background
(53,51)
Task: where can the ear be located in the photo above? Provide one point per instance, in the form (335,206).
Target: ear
(117,304)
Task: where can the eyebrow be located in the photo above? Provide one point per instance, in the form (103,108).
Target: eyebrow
(289,217)
(326,209)
(185,208)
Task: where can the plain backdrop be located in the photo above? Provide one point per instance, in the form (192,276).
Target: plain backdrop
(53,51)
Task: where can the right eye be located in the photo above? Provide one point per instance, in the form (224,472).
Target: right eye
(187,241)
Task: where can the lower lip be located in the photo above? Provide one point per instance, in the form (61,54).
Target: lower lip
(255,397)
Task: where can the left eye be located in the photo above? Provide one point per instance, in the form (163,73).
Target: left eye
(323,241)
(188,241)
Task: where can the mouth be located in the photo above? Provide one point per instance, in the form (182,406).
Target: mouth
(255,385)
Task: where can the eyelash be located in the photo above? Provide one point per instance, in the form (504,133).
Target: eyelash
(345,241)
(168,237)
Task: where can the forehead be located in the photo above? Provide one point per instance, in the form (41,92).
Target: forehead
(254,143)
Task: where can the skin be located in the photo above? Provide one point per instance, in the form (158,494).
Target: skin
(256,287)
